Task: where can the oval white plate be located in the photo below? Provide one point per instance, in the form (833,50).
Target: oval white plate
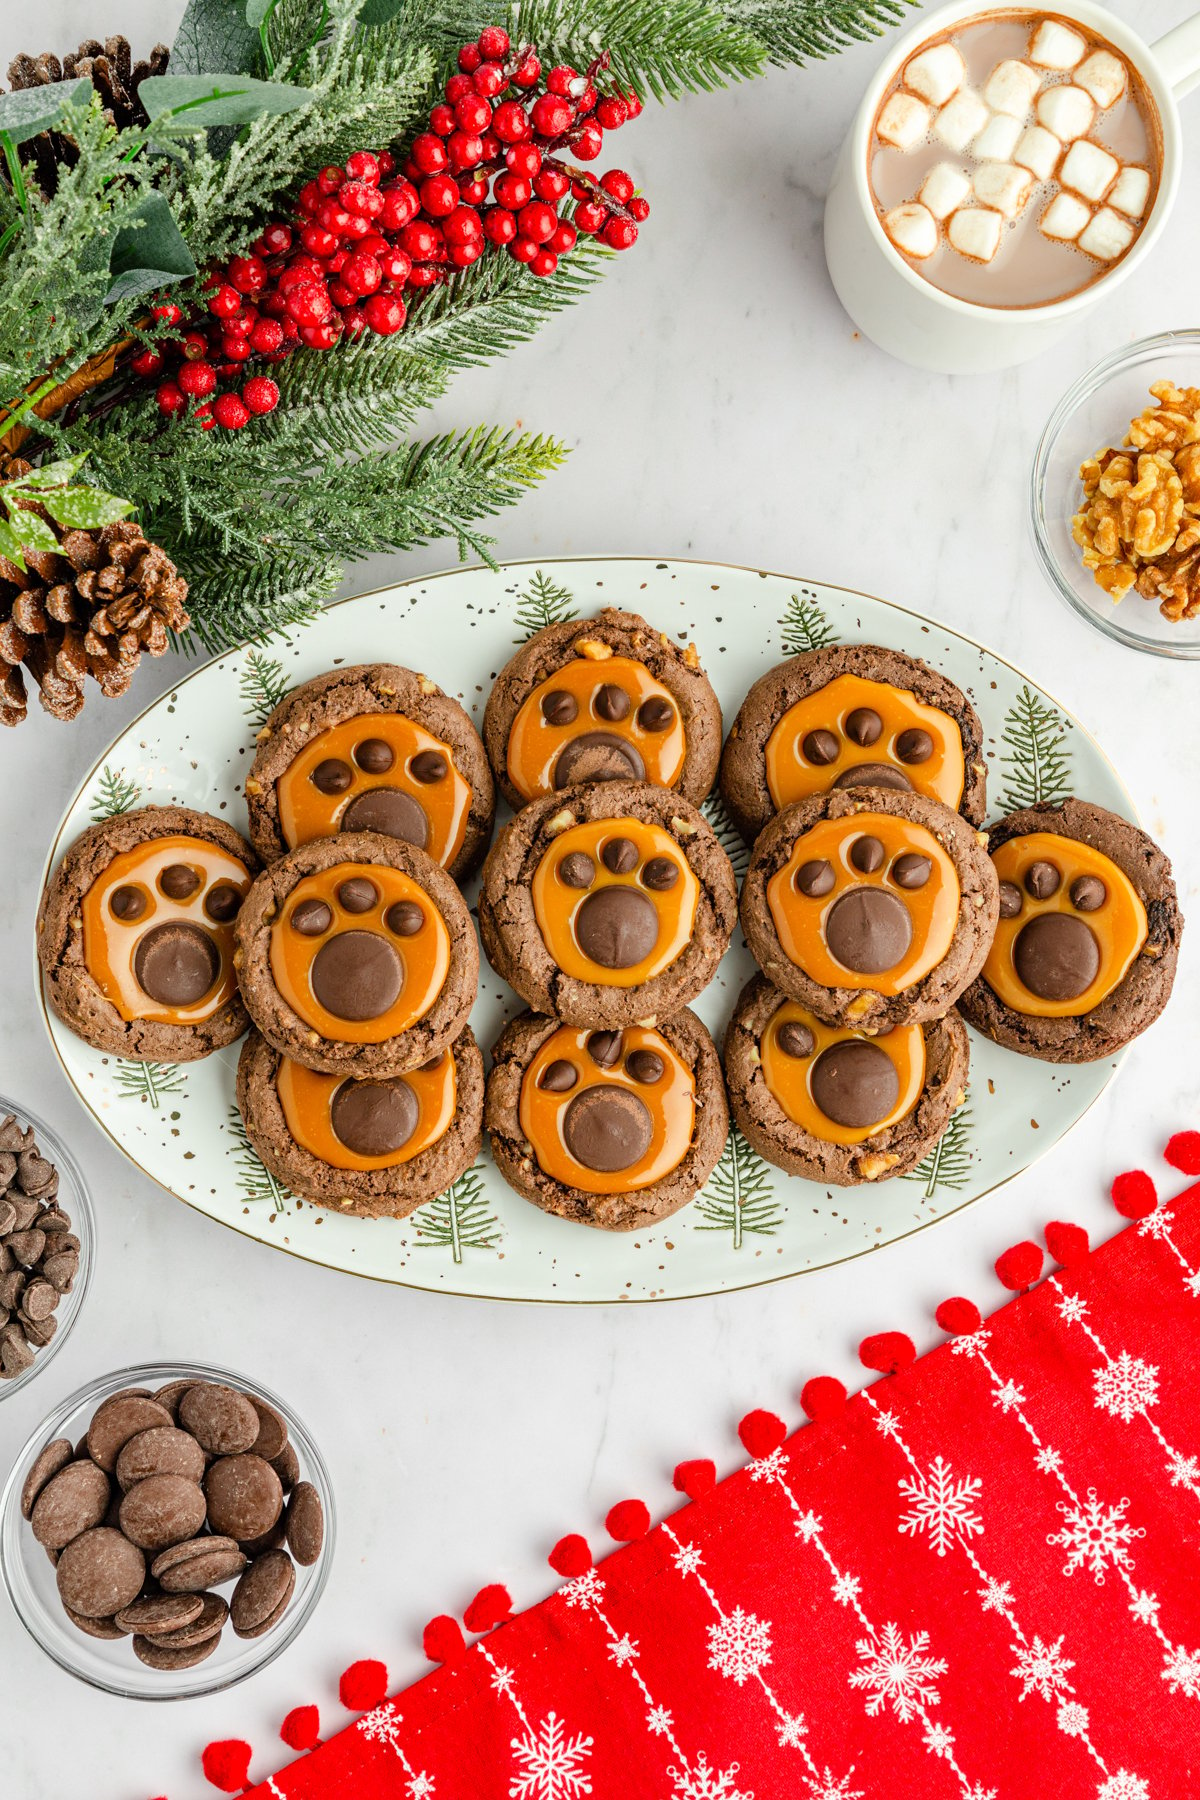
(752,1223)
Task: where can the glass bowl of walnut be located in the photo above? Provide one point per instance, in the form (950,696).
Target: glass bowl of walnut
(1115,496)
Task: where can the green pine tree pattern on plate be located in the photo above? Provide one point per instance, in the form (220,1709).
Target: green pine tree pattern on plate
(459,1219)
(149,1082)
(542,602)
(948,1164)
(262,685)
(255,1181)
(116,793)
(805,625)
(1036,757)
(728,836)
(739,1195)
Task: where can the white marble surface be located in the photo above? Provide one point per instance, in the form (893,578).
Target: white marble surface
(720,405)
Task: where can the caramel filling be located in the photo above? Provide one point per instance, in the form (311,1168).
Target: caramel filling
(594,721)
(622,1099)
(1097,931)
(309,1102)
(615,901)
(793,1068)
(359,966)
(376,772)
(158,929)
(851,723)
(866,902)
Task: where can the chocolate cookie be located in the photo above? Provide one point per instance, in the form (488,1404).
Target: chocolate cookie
(372,747)
(847,716)
(1085,950)
(871,908)
(376,1147)
(603,699)
(610,1128)
(607,904)
(831,1104)
(135,934)
(357,952)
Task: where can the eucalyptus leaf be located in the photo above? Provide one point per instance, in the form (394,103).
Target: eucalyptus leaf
(9,545)
(257,11)
(86,506)
(55,474)
(30,531)
(30,110)
(194,102)
(150,253)
(214,34)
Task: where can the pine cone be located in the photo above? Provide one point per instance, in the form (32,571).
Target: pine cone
(110,68)
(92,608)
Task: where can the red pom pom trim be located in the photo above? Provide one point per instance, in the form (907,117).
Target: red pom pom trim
(887,1351)
(628,1520)
(1183,1152)
(761,1432)
(227,1764)
(363,1685)
(1068,1244)
(959,1317)
(1134,1194)
(571,1555)
(823,1397)
(1019,1266)
(695,1478)
(442,1640)
(301,1729)
(491,1606)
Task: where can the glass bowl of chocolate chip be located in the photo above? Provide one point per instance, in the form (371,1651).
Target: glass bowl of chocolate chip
(167,1531)
(47,1230)
(1115,496)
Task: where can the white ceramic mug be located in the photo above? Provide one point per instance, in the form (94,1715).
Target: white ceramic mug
(915,321)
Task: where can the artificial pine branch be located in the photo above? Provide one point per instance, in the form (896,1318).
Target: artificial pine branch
(791,30)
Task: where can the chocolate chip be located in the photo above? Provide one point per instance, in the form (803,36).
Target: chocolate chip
(99,1573)
(914,746)
(1010,900)
(604,1048)
(559,707)
(202,1563)
(864,726)
(162,1450)
(868,930)
(356,975)
(795,1038)
(44,1467)
(390,811)
(222,1421)
(867,854)
(820,748)
(161,1511)
(305,1524)
(153,1614)
(38,1301)
(170,1659)
(404,917)
(73,1501)
(176,964)
(620,856)
(577,870)
(1042,880)
(656,714)
(374,756)
(1056,956)
(26,1247)
(855,1083)
(558,1077)
(262,1593)
(646,1066)
(272,1430)
(598,756)
(178,882)
(244,1496)
(1088,893)
(815,878)
(116,1421)
(222,903)
(874,774)
(358,895)
(616,927)
(612,703)
(911,870)
(311,917)
(660,874)
(607,1129)
(429,766)
(374,1118)
(128,903)
(332,776)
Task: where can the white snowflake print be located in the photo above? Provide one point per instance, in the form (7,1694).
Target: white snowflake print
(551,1763)
(421,1787)
(1073,1719)
(808,1527)
(1041,1668)
(1073,1307)
(687,1559)
(1181,1671)
(1185,1470)
(767,1468)
(739,1645)
(995,1595)
(828,1786)
(971,1344)
(886,1423)
(624,1650)
(1048,1461)
(1192,1283)
(941,1506)
(846,1589)
(1123,1786)
(1095,1536)
(1126,1386)
(381,1726)
(705,1783)
(1156,1224)
(977,1791)
(583,1590)
(1144,1606)
(502,1679)
(939,1740)
(1009,1395)
(897,1673)
(659,1720)
(792,1731)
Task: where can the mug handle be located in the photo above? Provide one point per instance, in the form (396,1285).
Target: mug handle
(1178,55)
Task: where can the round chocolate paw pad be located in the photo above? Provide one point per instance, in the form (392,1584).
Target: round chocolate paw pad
(615,901)
(596,720)
(837,1084)
(858,733)
(607,1111)
(367,1124)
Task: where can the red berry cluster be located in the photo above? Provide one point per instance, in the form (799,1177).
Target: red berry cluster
(491,170)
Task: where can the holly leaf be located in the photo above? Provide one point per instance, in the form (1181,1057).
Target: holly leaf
(214,34)
(30,531)
(30,110)
(194,102)
(10,546)
(87,507)
(55,474)
(148,254)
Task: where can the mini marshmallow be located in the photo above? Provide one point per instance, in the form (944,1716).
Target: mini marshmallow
(1108,236)
(1003,186)
(1011,87)
(903,121)
(1056,46)
(998,139)
(1038,150)
(1104,76)
(936,73)
(1088,169)
(944,189)
(1066,111)
(1131,192)
(960,120)
(1064,218)
(975,232)
(912,228)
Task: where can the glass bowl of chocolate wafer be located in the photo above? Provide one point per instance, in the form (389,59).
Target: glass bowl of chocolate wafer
(47,1233)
